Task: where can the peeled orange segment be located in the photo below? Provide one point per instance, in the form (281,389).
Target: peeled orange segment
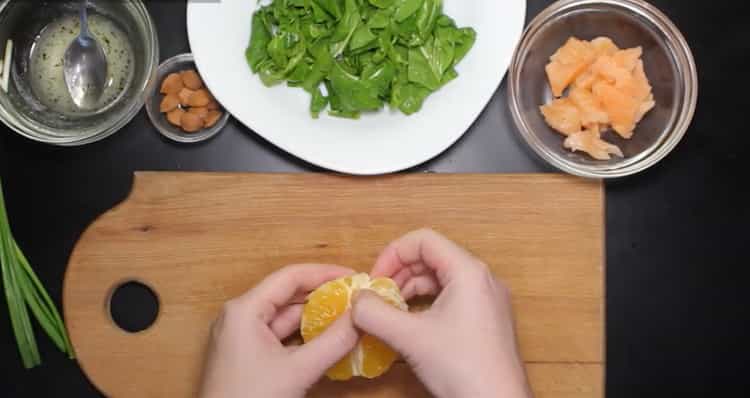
(562,115)
(628,58)
(590,142)
(604,46)
(621,108)
(370,357)
(377,357)
(567,63)
(323,306)
(591,110)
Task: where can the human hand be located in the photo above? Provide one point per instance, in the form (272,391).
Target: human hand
(464,345)
(246,357)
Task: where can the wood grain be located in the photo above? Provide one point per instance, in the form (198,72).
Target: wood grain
(198,239)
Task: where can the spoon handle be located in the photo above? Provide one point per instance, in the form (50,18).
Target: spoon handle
(84,18)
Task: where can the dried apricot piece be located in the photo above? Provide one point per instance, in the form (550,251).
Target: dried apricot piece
(185,95)
(175,117)
(172,84)
(199,98)
(191,122)
(213,105)
(212,117)
(168,103)
(191,79)
(201,111)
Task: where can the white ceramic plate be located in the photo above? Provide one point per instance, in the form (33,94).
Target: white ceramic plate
(377,143)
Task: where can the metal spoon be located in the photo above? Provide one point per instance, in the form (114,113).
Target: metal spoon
(85,66)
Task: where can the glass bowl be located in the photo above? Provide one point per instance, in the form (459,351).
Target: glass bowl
(26,111)
(668,62)
(177,63)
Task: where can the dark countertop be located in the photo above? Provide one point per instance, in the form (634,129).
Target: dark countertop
(676,303)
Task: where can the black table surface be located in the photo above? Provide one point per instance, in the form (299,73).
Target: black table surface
(675,304)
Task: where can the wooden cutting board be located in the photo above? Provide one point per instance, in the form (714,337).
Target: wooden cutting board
(198,239)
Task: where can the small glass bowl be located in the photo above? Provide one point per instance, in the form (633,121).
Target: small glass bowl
(668,62)
(154,97)
(22,21)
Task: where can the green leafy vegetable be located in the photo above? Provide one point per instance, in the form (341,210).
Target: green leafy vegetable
(356,56)
(23,289)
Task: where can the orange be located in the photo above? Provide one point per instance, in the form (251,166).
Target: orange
(370,358)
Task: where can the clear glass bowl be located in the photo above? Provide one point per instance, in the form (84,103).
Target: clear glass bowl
(177,63)
(22,21)
(668,62)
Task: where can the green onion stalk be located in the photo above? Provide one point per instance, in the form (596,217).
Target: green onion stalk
(25,293)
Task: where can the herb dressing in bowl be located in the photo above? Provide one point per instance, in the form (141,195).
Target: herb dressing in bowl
(46,62)
(37,104)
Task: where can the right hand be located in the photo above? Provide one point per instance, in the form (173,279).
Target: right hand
(464,345)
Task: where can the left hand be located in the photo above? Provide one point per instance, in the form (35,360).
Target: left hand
(246,357)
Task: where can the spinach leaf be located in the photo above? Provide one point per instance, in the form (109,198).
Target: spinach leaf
(428,15)
(259,39)
(406,8)
(382,3)
(428,62)
(362,37)
(380,19)
(345,29)
(354,93)
(408,98)
(318,103)
(464,42)
(366,53)
(332,7)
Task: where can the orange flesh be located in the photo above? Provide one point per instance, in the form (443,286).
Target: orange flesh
(371,357)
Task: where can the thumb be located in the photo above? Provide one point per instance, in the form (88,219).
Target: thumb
(395,327)
(322,352)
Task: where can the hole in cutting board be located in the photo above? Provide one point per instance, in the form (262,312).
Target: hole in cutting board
(133,306)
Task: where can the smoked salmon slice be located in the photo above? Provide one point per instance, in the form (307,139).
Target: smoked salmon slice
(590,141)
(607,88)
(567,63)
(563,116)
